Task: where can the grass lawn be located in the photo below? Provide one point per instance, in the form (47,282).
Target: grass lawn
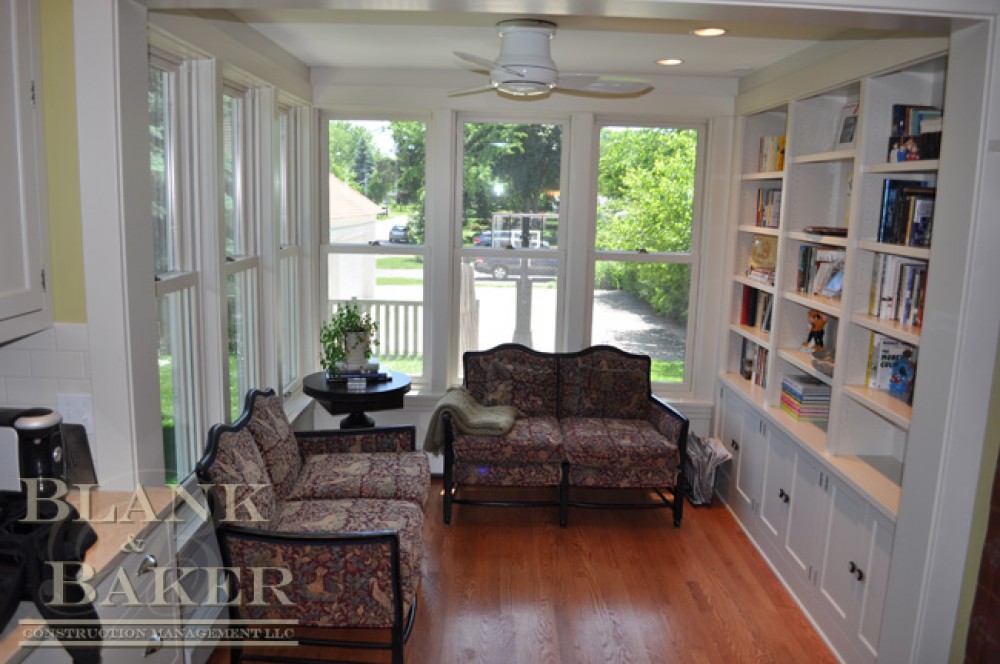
(399,263)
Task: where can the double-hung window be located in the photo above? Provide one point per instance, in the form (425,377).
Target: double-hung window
(644,259)
(509,266)
(289,254)
(176,279)
(241,260)
(374,255)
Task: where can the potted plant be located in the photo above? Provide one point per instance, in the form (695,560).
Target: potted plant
(347,339)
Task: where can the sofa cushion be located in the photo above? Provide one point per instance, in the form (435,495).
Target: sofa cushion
(342,585)
(604,382)
(613,443)
(239,465)
(403,476)
(532,440)
(522,474)
(513,376)
(276,440)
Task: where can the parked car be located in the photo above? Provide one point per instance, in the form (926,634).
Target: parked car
(501,267)
(399,234)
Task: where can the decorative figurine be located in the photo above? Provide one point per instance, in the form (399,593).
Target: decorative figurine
(817,324)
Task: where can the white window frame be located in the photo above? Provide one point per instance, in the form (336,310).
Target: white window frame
(692,258)
(455,231)
(326,248)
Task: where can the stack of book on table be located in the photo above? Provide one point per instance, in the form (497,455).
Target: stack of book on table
(805,398)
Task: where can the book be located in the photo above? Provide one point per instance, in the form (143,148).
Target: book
(771,154)
(835,231)
(892,366)
(902,201)
(768,207)
(920,219)
(909,119)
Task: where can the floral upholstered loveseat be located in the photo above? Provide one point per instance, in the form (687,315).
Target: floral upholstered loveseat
(586,420)
(334,518)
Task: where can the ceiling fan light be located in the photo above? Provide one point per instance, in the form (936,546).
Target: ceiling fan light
(525,88)
(708,32)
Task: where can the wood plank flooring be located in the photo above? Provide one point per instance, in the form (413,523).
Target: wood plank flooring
(507,585)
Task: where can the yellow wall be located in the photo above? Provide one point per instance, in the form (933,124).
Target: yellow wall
(62,161)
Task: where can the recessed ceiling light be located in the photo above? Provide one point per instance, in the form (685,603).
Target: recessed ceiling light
(669,62)
(709,32)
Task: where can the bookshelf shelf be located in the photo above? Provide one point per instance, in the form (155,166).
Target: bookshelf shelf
(827,240)
(754,334)
(827,305)
(882,404)
(920,166)
(802,361)
(759,230)
(890,328)
(759,285)
(823,157)
(922,253)
(763,176)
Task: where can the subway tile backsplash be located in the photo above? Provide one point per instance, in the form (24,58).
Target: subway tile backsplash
(35,370)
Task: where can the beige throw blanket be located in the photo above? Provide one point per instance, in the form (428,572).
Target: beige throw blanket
(468,416)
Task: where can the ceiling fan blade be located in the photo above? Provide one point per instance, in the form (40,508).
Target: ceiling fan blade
(602,85)
(471,91)
(488,64)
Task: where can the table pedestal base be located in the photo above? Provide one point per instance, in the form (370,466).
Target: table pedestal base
(357,420)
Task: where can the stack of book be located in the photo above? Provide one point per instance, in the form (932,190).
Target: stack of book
(805,398)
(820,270)
(771,155)
(916,133)
(907,213)
(891,366)
(768,207)
(898,289)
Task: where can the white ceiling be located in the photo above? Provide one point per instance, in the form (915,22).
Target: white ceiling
(371,34)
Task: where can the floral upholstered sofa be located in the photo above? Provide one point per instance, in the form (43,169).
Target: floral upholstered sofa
(334,518)
(585,420)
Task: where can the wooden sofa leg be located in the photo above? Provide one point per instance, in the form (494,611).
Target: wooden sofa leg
(447,504)
(679,492)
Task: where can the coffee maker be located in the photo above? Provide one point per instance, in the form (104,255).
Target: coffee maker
(40,451)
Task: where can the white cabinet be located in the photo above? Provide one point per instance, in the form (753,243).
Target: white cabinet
(855,569)
(829,546)
(24,303)
(743,435)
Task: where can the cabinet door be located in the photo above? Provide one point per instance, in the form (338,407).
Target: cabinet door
(730,433)
(775,497)
(750,469)
(877,578)
(838,583)
(21,226)
(806,515)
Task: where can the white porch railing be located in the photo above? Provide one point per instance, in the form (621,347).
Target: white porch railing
(400,325)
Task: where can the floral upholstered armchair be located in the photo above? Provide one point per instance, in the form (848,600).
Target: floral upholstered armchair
(330,521)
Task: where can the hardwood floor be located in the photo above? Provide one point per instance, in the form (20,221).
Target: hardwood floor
(507,585)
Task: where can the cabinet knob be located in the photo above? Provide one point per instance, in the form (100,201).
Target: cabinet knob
(784,496)
(155,643)
(735,445)
(853,568)
(148,563)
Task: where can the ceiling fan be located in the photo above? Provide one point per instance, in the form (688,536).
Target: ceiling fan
(525,68)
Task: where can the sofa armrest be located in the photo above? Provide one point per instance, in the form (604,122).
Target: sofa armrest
(280,576)
(672,424)
(379,439)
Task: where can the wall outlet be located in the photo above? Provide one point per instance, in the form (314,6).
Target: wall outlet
(77,409)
